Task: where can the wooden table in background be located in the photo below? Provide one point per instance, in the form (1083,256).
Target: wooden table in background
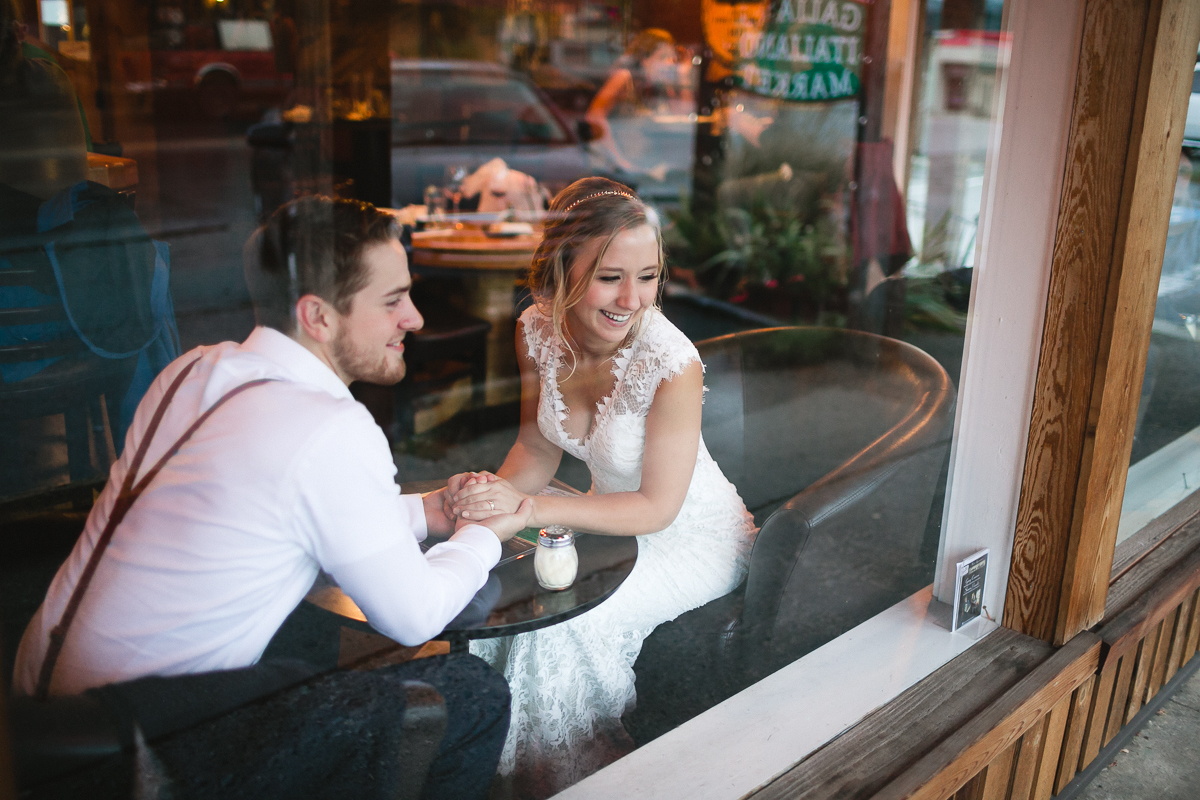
(489,267)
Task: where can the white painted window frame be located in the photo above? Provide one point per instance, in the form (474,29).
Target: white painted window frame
(751,738)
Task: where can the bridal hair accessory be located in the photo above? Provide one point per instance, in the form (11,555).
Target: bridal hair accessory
(597,194)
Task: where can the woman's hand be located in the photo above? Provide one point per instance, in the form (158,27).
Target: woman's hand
(480,499)
(455,485)
(505,526)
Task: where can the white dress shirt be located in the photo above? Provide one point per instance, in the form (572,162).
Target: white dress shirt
(287,478)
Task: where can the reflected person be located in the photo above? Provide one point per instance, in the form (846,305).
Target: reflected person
(75,245)
(288,477)
(648,79)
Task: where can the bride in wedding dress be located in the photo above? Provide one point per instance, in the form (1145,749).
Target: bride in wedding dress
(607,378)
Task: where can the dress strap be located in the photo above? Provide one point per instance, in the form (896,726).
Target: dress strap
(125,499)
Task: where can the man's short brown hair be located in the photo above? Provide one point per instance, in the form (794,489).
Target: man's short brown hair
(312,245)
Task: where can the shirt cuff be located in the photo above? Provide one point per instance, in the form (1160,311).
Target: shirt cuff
(413,511)
(482,540)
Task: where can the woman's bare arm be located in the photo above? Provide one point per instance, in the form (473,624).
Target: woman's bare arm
(619,82)
(669,458)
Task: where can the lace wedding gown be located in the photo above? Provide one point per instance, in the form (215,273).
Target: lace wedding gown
(572,682)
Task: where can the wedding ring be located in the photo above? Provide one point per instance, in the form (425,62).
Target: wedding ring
(491,505)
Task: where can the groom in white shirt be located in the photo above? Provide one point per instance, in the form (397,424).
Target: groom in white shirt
(288,477)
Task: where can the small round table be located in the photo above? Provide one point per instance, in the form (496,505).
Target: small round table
(512,601)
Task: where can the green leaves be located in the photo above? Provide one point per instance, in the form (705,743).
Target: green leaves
(764,245)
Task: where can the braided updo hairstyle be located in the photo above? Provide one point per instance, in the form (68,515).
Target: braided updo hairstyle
(590,208)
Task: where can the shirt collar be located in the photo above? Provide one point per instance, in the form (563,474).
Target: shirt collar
(296,359)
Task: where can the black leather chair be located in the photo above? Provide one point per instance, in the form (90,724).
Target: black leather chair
(68,746)
(76,743)
(837,440)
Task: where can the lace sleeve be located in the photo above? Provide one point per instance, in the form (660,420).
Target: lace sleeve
(660,353)
(536,329)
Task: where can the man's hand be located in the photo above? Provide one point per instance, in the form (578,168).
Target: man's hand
(438,518)
(505,526)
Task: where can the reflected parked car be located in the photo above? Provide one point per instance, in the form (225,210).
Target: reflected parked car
(217,68)
(444,114)
(464,113)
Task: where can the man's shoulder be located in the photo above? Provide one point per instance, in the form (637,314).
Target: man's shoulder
(284,408)
(307,410)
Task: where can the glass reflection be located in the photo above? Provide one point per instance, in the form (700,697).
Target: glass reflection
(813,166)
(1165,460)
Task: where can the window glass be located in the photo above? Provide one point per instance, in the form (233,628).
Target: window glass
(817,171)
(1165,462)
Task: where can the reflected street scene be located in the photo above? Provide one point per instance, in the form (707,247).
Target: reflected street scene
(404,287)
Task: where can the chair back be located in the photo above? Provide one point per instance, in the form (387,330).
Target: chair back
(85,312)
(836,440)
(33,321)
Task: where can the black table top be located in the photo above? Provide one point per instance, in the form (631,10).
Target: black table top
(512,601)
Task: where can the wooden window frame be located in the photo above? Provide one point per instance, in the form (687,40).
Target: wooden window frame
(1132,89)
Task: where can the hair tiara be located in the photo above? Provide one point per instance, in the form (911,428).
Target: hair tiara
(597,194)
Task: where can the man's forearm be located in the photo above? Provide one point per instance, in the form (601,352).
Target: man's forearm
(411,597)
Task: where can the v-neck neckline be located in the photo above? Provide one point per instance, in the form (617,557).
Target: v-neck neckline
(620,361)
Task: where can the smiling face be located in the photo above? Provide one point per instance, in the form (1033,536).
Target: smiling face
(369,343)
(624,285)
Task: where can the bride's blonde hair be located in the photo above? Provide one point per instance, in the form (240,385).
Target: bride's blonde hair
(590,208)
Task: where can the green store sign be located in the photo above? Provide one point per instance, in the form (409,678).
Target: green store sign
(808,51)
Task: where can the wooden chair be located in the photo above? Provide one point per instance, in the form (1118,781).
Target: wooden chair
(452,345)
(71,386)
(837,441)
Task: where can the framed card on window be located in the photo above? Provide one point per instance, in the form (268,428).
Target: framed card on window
(970,575)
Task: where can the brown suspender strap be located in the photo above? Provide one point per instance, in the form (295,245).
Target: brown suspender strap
(125,499)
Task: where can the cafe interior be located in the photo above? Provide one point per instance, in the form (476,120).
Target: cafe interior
(824,172)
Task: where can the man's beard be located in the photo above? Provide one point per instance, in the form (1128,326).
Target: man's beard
(360,365)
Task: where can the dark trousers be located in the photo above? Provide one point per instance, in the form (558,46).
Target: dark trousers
(275,730)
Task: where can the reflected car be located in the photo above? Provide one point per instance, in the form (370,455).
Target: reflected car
(464,113)
(220,69)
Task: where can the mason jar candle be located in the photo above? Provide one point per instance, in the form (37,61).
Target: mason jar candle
(556,563)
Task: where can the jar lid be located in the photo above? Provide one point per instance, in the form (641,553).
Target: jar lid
(556,536)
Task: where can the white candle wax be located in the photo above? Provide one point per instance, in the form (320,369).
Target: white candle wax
(556,567)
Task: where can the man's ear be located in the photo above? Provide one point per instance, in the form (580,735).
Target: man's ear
(316,318)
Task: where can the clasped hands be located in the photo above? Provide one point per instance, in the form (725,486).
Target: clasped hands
(478,496)
(505,515)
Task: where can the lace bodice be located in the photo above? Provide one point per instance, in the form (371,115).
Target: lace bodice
(613,448)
